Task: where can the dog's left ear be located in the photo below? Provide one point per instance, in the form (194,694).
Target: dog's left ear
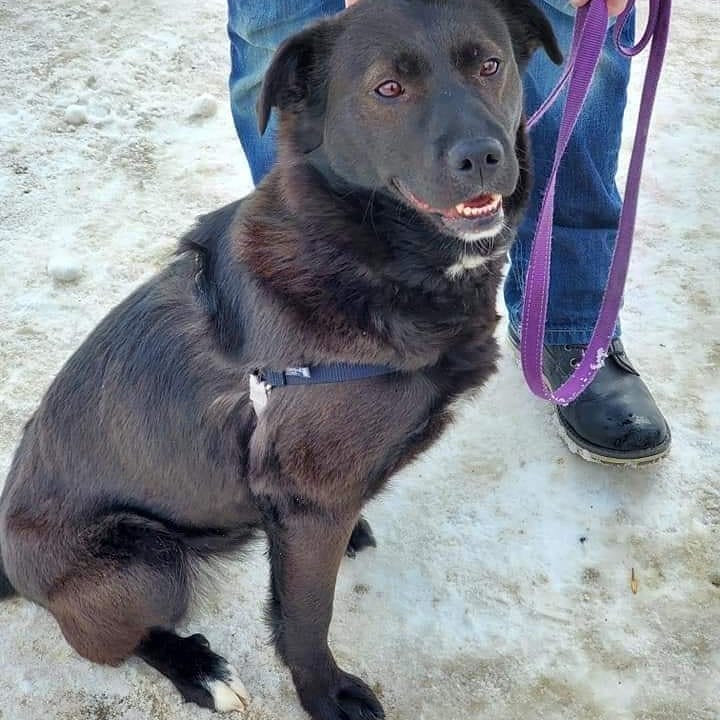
(530,30)
(296,80)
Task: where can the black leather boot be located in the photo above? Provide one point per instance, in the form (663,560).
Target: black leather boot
(616,419)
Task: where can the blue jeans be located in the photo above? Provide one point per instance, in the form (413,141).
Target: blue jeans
(587,205)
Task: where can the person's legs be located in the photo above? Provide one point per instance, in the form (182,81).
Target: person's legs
(256,28)
(616,418)
(587,204)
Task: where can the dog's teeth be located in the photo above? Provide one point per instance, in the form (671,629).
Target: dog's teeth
(475,212)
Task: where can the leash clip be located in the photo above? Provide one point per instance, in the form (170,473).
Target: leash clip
(259,392)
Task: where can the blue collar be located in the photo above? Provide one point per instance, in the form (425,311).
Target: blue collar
(262,382)
(322,374)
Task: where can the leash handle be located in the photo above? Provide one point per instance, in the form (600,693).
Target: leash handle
(587,45)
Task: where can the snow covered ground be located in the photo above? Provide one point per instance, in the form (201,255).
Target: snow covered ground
(501,585)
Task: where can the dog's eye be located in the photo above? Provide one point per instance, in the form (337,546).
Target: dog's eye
(390,89)
(489,67)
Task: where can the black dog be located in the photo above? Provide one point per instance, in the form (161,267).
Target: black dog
(378,239)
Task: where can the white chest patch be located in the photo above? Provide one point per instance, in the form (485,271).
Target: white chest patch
(469,263)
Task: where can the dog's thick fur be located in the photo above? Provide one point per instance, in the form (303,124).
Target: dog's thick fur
(146,459)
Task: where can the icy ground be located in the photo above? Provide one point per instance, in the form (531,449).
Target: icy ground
(500,589)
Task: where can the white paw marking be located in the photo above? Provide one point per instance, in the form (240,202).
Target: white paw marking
(229,695)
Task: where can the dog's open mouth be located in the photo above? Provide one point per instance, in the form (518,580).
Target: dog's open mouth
(480,216)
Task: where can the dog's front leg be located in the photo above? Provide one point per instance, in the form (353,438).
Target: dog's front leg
(307,545)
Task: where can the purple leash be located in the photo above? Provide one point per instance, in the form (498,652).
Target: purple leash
(587,44)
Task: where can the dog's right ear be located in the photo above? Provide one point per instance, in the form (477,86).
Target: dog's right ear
(297,77)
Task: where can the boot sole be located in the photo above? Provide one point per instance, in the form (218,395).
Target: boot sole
(588,451)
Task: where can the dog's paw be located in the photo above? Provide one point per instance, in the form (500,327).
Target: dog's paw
(200,675)
(227,690)
(357,701)
(349,699)
(362,537)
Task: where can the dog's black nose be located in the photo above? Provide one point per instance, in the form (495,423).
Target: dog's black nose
(476,159)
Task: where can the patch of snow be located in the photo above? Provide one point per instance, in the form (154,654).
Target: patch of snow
(76,115)
(600,359)
(65,267)
(204,107)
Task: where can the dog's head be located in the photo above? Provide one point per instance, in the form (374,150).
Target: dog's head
(420,100)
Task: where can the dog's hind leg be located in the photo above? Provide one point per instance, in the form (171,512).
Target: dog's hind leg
(130,582)
(124,575)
